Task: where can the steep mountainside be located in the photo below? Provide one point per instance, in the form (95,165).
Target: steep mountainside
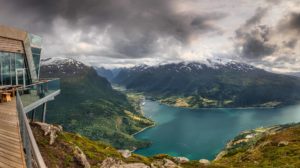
(88,105)
(272,147)
(108,73)
(212,84)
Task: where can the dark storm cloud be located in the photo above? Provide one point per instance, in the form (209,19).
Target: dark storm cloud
(255,44)
(291,23)
(253,39)
(255,48)
(137,25)
(291,44)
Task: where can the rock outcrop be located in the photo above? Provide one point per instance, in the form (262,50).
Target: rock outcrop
(81,158)
(283,143)
(181,159)
(50,130)
(164,163)
(116,163)
(204,162)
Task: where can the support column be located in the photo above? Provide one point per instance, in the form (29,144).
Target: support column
(44,112)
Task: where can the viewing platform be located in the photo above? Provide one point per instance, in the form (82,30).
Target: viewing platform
(18,147)
(11,148)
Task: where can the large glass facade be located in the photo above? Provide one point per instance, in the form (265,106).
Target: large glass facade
(10,63)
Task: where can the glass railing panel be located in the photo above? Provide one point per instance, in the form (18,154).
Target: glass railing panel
(39,90)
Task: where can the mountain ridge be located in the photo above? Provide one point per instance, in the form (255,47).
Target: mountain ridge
(194,84)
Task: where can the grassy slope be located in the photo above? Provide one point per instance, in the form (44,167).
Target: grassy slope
(275,147)
(89,106)
(263,150)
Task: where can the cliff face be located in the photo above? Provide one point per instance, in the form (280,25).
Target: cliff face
(277,146)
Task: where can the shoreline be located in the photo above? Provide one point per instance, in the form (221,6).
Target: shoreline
(143,129)
(194,108)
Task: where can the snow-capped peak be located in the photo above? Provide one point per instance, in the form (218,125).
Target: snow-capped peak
(61,61)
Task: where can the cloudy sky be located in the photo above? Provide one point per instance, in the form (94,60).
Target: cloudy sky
(115,33)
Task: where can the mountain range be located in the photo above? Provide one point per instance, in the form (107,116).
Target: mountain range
(88,105)
(211,84)
(294,74)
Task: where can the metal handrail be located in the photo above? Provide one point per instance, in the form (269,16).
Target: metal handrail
(34,94)
(33,155)
(41,81)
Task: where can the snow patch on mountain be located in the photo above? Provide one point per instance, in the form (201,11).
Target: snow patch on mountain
(63,65)
(61,61)
(194,65)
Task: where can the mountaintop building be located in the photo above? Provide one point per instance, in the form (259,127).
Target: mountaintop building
(22,94)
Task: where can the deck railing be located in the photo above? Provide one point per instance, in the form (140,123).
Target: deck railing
(32,153)
(28,98)
(31,94)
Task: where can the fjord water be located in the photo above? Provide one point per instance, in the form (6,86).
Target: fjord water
(202,133)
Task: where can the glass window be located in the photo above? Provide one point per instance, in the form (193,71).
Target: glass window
(9,62)
(12,67)
(1,77)
(19,59)
(35,40)
(6,69)
(36,54)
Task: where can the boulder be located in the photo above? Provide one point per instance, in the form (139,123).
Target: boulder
(165,163)
(283,143)
(204,162)
(116,163)
(181,159)
(125,153)
(135,165)
(169,164)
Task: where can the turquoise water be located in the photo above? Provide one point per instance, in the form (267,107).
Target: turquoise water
(202,133)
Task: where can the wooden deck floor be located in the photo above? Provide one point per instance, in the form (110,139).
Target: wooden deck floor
(11,150)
